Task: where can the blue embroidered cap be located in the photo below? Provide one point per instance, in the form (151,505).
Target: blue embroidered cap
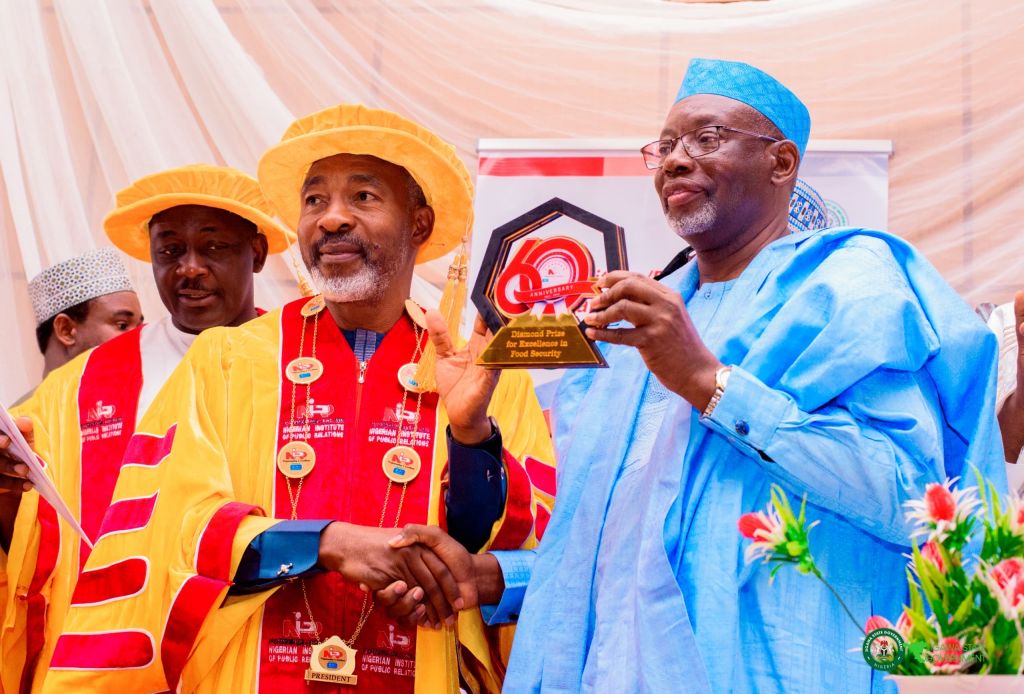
(757,89)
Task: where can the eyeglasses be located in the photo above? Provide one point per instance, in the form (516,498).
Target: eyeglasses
(696,143)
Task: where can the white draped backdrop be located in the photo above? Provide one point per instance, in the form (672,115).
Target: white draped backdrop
(95,93)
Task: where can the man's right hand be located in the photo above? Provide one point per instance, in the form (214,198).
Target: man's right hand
(13,481)
(364,556)
(484,586)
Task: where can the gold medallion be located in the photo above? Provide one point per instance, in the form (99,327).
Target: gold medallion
(314,306)
(416,313)
(401,464)
(332,661)
(407,377)
(304,370)
(296,459)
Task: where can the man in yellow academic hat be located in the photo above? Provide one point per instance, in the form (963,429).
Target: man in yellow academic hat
(284,454)
(205,230)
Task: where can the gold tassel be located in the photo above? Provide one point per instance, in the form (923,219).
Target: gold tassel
(453,299)
(300,276)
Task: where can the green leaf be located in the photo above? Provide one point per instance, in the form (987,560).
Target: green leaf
(990,647)
(915,593)
(994,496)
(1013,650)
(920,627)
(781,502)
(962,613)
(990,544)
(927,573)
(981,485)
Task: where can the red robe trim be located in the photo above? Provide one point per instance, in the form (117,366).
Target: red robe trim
(200,593)
(108,401)
(518,516)
(127,515)
(116,581)
(36,604)
(111,650)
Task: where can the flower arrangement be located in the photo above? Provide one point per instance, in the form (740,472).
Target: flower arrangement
(964,614)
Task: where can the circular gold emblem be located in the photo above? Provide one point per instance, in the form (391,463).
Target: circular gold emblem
(314,306)
(333,658)
(407,378)
(304,370)
(296,459)
(416,313)
(401,464)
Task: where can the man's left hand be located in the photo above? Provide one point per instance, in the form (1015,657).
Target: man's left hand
(478,576)
(464,388)
(662,331)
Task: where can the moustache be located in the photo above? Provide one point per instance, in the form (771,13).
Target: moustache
(192,284)
(329,240)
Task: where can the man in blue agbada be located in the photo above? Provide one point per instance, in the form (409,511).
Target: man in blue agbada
(835,362)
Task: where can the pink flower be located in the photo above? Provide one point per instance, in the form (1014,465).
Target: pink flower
(939,502)
(1005,580)
(942,509)
(1015,514)
(877,622)
(930,551)
(1007,570)
(903,625)
(750,523)
(765,529)
(947,656)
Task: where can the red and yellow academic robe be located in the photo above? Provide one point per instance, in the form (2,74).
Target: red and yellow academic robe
(201,482)
(84,417)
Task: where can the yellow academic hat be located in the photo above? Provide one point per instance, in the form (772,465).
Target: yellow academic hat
(222,187)
(356,129)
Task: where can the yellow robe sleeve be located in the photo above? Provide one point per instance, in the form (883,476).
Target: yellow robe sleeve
(146,604)
(37,584)
(18,566)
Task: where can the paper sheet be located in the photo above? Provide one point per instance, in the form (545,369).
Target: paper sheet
(36,474)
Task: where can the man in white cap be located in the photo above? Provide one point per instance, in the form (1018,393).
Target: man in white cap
(206,230)
(81,303)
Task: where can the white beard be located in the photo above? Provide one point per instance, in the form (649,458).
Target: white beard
(693,223)
(365,285)
(368,284)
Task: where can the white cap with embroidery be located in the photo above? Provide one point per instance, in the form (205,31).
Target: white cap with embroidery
(85,277)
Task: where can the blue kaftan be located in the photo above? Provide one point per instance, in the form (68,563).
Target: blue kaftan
(859,377)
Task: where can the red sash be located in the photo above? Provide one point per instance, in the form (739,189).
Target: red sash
(351,426)
(108,400)
(35,601)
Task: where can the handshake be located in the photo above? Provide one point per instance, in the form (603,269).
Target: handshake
(419,575)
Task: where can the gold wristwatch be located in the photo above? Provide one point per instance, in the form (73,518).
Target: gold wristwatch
(721,380)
